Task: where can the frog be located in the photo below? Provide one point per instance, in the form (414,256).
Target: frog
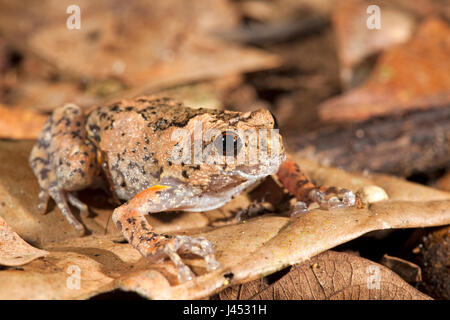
(133,146)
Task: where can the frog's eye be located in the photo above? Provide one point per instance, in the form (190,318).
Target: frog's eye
(228,143)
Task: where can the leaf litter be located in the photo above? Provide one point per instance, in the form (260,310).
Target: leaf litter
(247,251)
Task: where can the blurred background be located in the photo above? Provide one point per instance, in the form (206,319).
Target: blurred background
(351,86)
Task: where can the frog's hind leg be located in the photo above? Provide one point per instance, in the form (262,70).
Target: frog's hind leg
(130,220)
(40,163)
(298,183)
(60,198)
(63,160)
(73,200)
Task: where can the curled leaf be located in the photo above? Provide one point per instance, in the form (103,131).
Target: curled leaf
(14,251)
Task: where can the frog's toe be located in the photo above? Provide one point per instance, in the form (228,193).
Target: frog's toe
(202,247)
(185,244)
(183,271)
(61,201)
(333,198)
(73,200)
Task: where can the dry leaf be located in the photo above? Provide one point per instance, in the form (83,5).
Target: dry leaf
(19,123)
(246,251)
(46,95)
(410,76)
(330,275)
(408,271)
(14,251)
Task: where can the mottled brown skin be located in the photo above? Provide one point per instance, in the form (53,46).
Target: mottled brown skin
(131,143)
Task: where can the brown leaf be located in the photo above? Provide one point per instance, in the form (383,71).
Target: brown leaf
(330,275)
(13,250)
(410,76)
(246,251)
(407,270)
(19,123)
(45,96)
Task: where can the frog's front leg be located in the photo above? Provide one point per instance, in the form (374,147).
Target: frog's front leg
(130,220)
(64,161)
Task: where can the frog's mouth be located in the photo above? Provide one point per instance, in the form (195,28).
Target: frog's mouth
(257,171)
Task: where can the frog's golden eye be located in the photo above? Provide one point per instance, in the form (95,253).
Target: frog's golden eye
(228,143)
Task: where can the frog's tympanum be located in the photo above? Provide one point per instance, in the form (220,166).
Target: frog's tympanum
(134,145)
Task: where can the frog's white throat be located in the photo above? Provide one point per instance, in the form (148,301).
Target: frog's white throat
(214,200)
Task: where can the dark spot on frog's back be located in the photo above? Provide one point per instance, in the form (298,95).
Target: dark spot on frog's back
(76,134)
(115,108)
(185,174)
(161,124)
(157,173)
(44,173)
(144,225)
(79,171)
(132,165)
(131,221)
(41,143)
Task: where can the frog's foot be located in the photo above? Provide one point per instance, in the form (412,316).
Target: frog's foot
(155,247)
(332,197)
(73,200)
(61,201)
(307,194)
(170,247)
(325,198)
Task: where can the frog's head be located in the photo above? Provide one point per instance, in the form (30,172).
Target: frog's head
(251,147)
(238,147)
